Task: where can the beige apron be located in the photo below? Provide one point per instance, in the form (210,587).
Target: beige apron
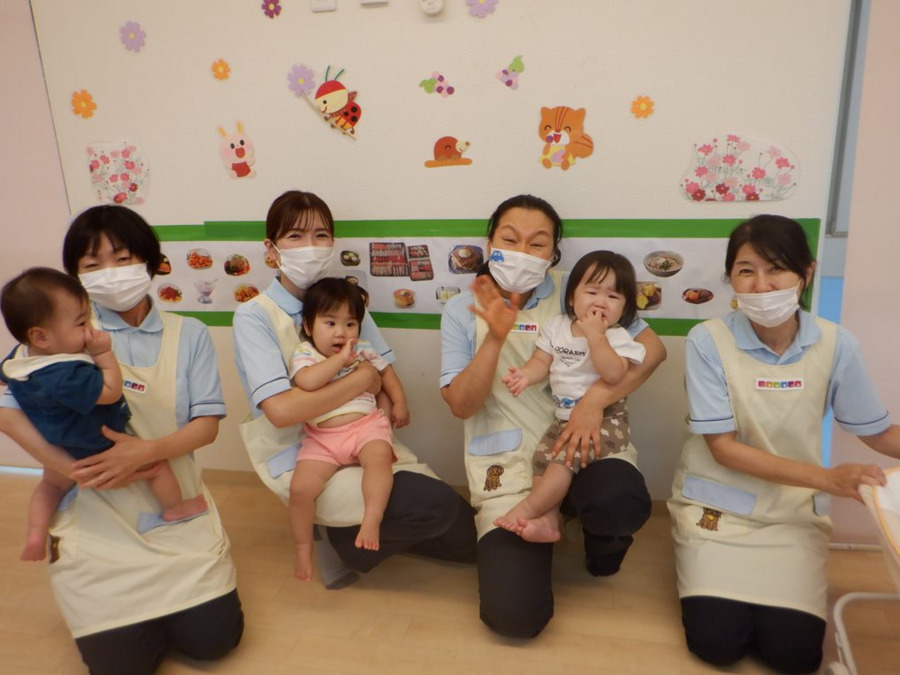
(500,438)
(107,575)
(341,502)
(740,537)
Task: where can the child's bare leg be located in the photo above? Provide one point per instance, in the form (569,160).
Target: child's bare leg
(44,502)
(536,518)
(309,478)
(376,458)
(167,491)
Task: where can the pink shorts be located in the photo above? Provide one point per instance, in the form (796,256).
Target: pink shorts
(341,445)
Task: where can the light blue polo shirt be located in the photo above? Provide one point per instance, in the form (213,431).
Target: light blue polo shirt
(857,408)
(198,390)
(458,327)
(257,354)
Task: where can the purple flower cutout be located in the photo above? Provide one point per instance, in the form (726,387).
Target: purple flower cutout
(301,80)
(133,36)
(481,8)
(271,8)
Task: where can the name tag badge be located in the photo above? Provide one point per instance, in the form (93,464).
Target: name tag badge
(524,328)
(795,384)
(134,386)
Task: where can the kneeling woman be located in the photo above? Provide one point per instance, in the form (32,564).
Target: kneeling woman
(750,497)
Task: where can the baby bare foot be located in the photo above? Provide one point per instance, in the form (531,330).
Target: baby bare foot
(368,537)
(543,529)
(508,523)
(187,508)
(513,519)
(35,546)
(303,566)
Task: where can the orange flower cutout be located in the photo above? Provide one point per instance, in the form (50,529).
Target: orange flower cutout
(221,69)
(642,106)
(83,104)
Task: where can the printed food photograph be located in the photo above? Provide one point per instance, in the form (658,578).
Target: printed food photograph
(420,268)
(697,296)
(199,259)
(404,297)
(245,292)
(465,259)
(169,293)
(165,267)
(663,263)
(236,265)
(349,258)
(388,259)
(649,295)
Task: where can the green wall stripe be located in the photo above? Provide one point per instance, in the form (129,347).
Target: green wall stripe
(211,318)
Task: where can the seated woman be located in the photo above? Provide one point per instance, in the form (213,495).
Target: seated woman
(423,515)
(750,496)
(483,336)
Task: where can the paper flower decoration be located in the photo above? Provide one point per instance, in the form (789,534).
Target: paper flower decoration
(118,173)
(642,107)
(83,104)
(510,75)
(301,80)
(133,36)
(221,70)
(481,8)
(437,83)
(271,8)
(739,169)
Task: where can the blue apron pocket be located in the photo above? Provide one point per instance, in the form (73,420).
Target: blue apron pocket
(821,503)
(68,499)
(721,496)
(283,462)
(496,442)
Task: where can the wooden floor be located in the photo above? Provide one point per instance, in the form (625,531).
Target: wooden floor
(418,616)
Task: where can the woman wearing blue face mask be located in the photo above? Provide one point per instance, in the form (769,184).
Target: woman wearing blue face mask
(750,496)
(129,593)
(423,515)
(484,333)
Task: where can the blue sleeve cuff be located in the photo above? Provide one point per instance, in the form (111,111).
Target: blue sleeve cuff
(208,410)
(270,389)
(702,427)
(868,428)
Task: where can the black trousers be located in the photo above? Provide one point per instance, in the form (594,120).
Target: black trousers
(423,516)
(722,632)
(611,500)
(205,632)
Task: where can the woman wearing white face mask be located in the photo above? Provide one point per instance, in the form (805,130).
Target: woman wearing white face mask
(129,593)
(515,293)
(750,496)
(423,515)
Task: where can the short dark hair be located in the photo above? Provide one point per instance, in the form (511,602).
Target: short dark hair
(529,203)
(598,264)
(329,294)
(778,240)
(296,207)
(123,227)
(27,300)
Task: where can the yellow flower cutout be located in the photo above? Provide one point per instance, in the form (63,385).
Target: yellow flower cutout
(221,69)
(83,104)
(642,107)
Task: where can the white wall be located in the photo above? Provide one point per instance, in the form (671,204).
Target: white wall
(872,285)
(772,70)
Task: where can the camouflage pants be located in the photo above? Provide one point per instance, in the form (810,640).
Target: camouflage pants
(614,431)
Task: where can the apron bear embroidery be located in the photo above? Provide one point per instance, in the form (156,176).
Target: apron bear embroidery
(492,479)
(710,519)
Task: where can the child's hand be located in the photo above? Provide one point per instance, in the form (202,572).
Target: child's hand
(594,323)
(516,381)
(348,351)
(399,415)
(96,341)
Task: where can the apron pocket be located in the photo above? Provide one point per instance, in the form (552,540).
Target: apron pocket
(821,503)
(282,462)
(496,442)
(721,496)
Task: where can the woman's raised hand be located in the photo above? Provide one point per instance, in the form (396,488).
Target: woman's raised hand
(494,310)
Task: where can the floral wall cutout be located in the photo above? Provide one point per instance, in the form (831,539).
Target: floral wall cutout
(730,167)
(301,80)
(237,152)
(510,75)
(119,172)
(562,130)
(83,104)
(220,69)
(481,8)
(133,36)
(271,8)
(449,152)
(642,107)
(437,84)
